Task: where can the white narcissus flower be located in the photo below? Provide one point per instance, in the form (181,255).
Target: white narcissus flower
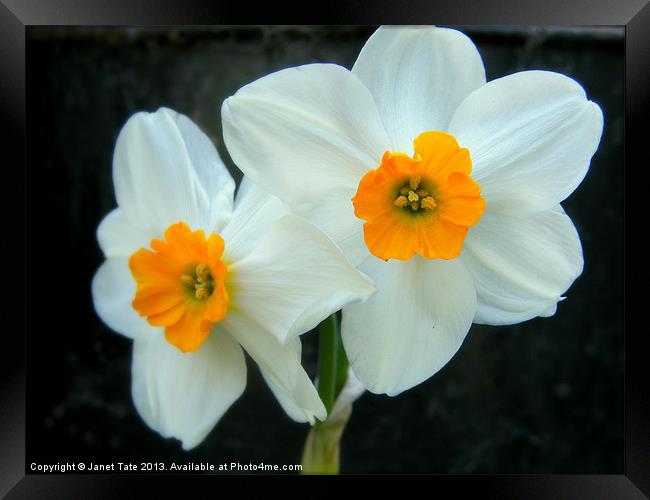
(441,187)
(192,279)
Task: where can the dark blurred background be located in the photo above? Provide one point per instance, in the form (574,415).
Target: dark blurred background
(545,396)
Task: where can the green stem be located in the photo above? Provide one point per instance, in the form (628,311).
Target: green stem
(342,365)
(322,447)
(328,346)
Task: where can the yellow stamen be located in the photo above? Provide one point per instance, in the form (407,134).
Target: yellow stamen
(404,190)
(415,181)
(202,293)
(401,201)
(413,196)
(203,272)
(415,206)
(188,280)
(428,203)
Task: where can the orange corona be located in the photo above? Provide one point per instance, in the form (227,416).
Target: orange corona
(180,285)
(422,204)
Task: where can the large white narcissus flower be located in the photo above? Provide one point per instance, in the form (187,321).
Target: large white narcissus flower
(192,279)
(441,187)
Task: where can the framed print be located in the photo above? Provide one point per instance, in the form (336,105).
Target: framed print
(306,246)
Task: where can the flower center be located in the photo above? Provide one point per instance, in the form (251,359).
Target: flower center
(180,285)
(200,281)
(410,197)
(422,204)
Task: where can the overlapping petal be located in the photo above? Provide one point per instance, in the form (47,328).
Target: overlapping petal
(414,324)
(307,135)
(184,395)
(281,368)
(293,279)
(531,136)
(255,211)
(418,76)
(522,264)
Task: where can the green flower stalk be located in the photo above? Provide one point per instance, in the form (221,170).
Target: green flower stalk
(338,389)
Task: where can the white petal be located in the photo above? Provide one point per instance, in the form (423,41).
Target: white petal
(531,136)
(413,326)
(120,237)
(350,392)
(336,219)
(166,170)
(183,395)
(418,76)
(294,278)
(307,135)
(113,290)
(215,185)
(521,264)
(255,210)
(280,367)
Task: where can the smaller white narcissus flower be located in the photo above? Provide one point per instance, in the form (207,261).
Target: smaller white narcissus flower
(190,279)
(441,187)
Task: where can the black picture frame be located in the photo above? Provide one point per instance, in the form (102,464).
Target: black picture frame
(16,15)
